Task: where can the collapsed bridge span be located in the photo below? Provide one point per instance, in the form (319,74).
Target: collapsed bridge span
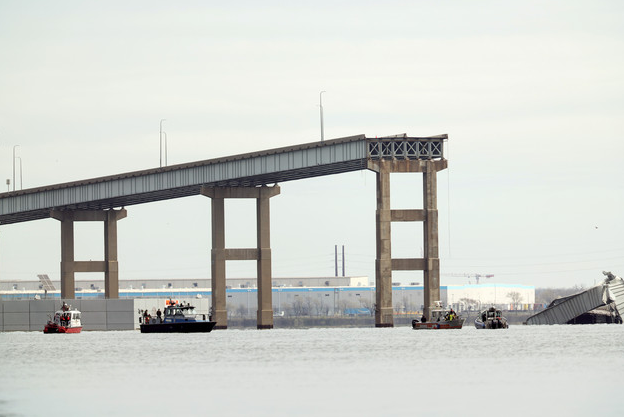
(605,299)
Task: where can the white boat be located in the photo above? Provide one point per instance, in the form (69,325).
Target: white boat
(65,320)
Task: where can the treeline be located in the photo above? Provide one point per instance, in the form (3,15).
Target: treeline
(547,295)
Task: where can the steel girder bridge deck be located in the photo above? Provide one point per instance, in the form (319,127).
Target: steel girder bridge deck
(246,170)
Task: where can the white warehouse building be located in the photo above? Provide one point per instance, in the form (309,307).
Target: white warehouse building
(333,294)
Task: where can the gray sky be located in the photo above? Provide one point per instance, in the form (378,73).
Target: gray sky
(530,93)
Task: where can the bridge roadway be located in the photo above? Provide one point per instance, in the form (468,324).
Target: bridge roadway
(244,176)
(247,170)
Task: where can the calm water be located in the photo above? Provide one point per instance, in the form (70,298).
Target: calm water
(522,371)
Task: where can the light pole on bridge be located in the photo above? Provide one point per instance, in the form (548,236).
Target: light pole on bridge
(161,141)
(21,183)
(14,146)
(165,135)
(321,106)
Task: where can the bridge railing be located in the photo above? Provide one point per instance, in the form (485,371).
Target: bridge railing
(407,148)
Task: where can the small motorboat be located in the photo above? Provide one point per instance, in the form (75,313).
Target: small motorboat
(441,318)
(65,320)
(491,318)
(177,318)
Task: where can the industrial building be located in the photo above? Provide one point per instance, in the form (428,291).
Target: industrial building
(316,296)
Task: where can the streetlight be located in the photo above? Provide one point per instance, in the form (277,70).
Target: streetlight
(161,132)
(321,106)
(21,183)
(165,134)
(15,146)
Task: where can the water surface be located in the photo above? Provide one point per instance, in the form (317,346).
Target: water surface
(521,371)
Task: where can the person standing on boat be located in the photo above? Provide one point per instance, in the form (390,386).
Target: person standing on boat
(159,314)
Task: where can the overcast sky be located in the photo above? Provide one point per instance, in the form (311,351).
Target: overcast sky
(530,93)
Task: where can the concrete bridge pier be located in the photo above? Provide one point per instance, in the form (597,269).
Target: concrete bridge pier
(261,254)
(383,260)
(431,269)
(69,266)
(384,263)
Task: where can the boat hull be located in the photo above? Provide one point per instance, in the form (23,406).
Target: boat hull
(491,324)
(180,327)
(53,328)
(439,325)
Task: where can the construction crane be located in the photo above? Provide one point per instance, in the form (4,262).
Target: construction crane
(469,276)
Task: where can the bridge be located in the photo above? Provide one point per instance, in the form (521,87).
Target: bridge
(570,309)
(251,175)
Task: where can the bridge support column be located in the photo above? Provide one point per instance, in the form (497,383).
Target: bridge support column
(384,263)
(265,286)
(431,270)
(262,253)
(69,266)
(217,263)
(67,255)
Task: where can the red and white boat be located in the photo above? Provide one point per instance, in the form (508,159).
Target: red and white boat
(65,320)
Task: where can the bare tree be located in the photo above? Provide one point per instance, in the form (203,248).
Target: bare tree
(324,309)
(298,307)
(401,305)
(309,304)
(241,310)
(407,304)
(343,305)
(319,308)
(367,304)
(515,297)
(469,303)
(547,295)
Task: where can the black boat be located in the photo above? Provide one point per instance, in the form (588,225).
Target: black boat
(491,318)
(178,318)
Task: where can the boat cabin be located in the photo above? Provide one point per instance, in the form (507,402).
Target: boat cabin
(67,318)
(180,311)
(438,315)
(491,314)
